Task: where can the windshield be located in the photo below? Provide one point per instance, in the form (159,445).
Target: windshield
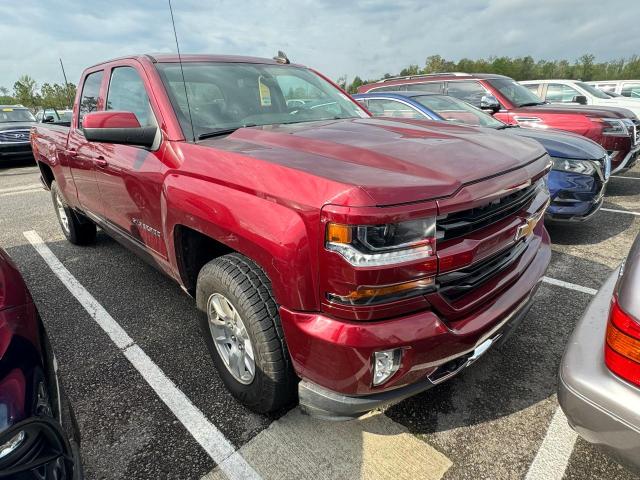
(10,114)
(457,111)
(515,93)
(592,90)
(227,96)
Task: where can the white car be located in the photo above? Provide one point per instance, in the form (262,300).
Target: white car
(575,91)
(626,88)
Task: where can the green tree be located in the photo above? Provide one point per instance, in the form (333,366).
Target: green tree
(585,67)
(353,87)
(25,92)
(5,98)
(57,96)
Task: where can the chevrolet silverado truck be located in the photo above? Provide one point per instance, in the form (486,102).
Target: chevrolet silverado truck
(616,129)
(346,261)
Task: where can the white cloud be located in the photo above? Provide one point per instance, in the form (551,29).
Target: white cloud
(367,38)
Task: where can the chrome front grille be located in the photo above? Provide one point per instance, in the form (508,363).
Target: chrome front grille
(463,223)
(14,136)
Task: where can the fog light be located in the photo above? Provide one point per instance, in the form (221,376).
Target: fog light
(385,364)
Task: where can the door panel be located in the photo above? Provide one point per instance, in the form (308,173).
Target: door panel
(80,153)
(130,178)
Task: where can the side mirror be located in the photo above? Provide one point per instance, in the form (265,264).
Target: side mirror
(489,102)
(581,99)
(48,119)
(117,127)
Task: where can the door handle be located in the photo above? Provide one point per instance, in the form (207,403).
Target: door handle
(72,153)
(101,162)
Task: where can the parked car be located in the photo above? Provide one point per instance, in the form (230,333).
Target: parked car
(581,167)
(599,387)
(39,437)
(577,92)
(53,115)
(615,129)
(626,88)
(325,249)
(15,122)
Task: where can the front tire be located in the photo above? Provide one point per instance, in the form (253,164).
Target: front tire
(77,228)
(242,330)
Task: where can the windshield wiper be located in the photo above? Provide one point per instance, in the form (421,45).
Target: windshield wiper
(502,127)
(223,131)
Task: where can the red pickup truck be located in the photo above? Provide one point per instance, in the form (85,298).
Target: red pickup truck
(617,130)
(351,260)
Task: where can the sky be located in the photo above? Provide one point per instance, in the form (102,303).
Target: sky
(337,37)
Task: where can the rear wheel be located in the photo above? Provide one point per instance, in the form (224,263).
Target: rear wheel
(77,228)
(242,330)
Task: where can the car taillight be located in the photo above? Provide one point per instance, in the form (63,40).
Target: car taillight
(622,346)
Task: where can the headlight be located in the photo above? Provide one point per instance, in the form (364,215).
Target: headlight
(9,446)
(584,167)
(613,126)
(379,245)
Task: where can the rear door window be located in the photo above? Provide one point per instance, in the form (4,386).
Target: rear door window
(559,93)
(631,90)
(431,87)
(469,91)
(392,108)
(90,95)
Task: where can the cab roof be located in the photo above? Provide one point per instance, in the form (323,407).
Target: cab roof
(189,58)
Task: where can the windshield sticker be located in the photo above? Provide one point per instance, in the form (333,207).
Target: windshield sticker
(265,94)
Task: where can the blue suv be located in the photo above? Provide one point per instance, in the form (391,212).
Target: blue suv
(581,167)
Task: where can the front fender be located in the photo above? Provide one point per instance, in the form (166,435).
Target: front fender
(278,237)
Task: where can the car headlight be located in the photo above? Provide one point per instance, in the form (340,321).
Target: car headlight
(584,167)
(10,445)
(613,126)
(379,245)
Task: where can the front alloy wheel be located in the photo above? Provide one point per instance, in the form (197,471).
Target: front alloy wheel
(230,338)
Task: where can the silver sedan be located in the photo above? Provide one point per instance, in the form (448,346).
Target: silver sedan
(599,387)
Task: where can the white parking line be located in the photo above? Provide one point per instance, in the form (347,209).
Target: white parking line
(30,186)
(196,423)
(570,286)
(625,178)
(20,192)
(553,456)
(554,453)
(619,211)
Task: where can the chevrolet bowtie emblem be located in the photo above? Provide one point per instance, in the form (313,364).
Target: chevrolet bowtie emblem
(529,226)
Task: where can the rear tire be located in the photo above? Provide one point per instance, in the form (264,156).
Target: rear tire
(241,319)
(77,228)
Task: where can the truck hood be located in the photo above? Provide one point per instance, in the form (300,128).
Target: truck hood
(561,144)
(591,110)
(393,161)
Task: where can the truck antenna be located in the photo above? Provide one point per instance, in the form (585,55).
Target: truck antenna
(66,84)
(184,83)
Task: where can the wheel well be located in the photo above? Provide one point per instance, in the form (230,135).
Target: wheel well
(193,251)
(47,173)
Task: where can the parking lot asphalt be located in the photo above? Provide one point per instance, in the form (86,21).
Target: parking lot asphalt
(489,422)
